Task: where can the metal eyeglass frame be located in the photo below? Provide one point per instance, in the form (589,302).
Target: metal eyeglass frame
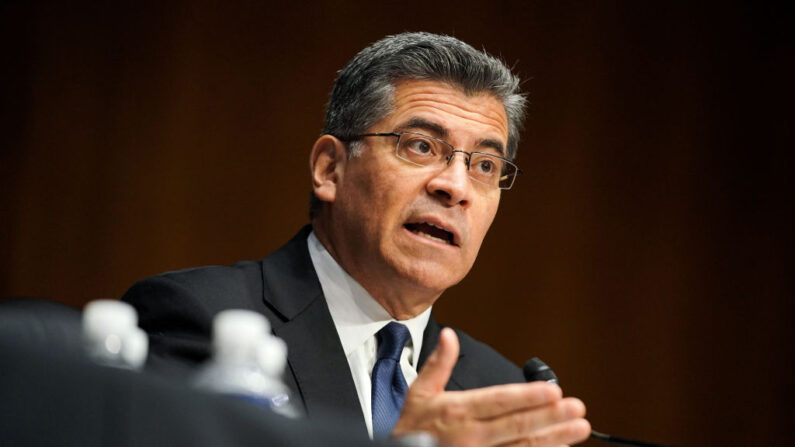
(449,157)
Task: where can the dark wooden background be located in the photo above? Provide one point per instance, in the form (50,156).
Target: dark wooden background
(644,254)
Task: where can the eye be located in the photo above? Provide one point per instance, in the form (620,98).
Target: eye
(485,166)
(418,145)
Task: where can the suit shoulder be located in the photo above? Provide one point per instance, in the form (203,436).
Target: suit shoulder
(481,365)
(217,277)
(176,308)
(215,282)
(199,292)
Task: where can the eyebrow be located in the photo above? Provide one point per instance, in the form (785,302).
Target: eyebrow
(493,144)
(441,132)
(436,129)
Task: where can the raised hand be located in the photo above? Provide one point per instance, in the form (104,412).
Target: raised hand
(526,414)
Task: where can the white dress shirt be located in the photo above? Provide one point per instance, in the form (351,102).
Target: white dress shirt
(358,317)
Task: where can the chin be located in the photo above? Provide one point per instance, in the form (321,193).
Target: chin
(432,276)
(426,267)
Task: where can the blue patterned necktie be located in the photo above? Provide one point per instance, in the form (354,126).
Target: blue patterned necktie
(389,385)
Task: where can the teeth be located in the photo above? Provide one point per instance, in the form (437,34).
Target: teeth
(431,237)
(444,236)
(428,223)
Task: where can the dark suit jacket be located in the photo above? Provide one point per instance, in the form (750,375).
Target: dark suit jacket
(176,309)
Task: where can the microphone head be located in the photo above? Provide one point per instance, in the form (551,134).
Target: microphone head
(535,370)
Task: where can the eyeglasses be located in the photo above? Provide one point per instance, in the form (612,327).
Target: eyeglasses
(423,150)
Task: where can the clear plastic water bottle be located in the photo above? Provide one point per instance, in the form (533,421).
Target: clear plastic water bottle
(247,362)
(111,335)
(417,439)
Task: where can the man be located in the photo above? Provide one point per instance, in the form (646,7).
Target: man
(407,178)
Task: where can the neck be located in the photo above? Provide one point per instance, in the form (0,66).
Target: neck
(400,297)
(398,306)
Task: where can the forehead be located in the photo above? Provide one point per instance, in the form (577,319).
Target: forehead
(449,106)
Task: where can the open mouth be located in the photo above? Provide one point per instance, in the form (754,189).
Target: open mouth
(431,231)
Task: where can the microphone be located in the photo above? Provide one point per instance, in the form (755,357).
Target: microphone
(536,370)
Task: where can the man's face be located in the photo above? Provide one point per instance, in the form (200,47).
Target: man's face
(403,230)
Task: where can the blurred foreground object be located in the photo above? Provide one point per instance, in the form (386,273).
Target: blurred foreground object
(52,394)
(112,336)
(247,361)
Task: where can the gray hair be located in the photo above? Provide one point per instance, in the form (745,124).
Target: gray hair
(363,92)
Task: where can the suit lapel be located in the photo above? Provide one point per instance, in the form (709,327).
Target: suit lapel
(430,339)
(315,355)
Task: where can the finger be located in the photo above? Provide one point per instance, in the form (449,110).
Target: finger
(563,434)
(434,375)
(570,432)
(524,443)
(522,424)
(499,400)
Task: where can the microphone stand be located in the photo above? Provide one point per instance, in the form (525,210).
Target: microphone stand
(535,370)
(621,441)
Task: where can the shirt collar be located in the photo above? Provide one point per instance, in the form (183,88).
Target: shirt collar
(356,314)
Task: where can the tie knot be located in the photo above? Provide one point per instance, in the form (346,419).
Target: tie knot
(391,340)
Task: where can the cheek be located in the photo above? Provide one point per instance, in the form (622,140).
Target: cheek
(392,191)
(483,221)
(373,198)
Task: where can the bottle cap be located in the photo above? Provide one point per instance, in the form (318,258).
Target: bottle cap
(272,355)
(102,317)
(112,335)
(236,333)
(135,348)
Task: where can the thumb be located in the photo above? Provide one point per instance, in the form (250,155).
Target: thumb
(437,369)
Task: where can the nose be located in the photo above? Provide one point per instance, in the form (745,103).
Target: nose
(452,185)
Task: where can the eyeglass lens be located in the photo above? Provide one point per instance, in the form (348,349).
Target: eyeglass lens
(424,151)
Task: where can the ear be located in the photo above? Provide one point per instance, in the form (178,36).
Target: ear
(327,164)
